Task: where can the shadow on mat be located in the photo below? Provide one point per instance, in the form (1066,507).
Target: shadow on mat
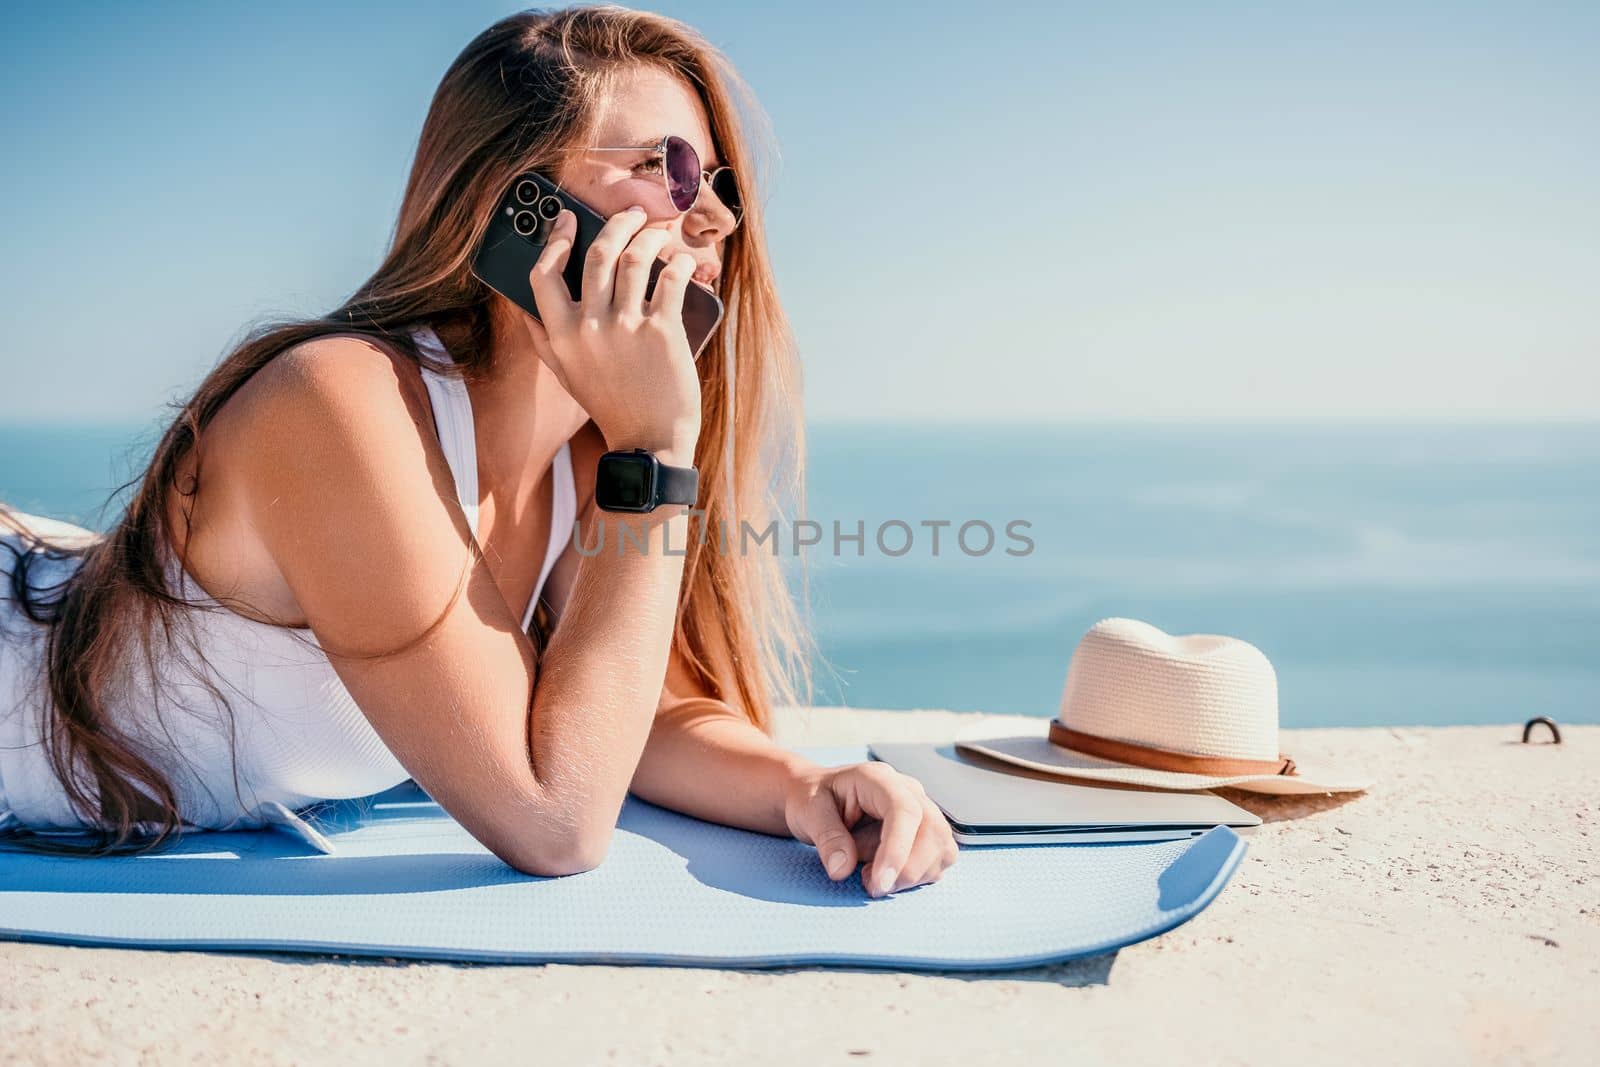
(291,875)
(758,866)
(781,870)
(269,863)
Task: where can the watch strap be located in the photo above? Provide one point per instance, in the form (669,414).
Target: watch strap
(677,485)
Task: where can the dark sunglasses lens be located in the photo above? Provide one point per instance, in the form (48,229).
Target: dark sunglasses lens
(683,173)
(726,186)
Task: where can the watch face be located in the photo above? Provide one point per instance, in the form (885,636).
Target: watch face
(626,482)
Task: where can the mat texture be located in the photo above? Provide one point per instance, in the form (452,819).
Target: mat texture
(407,880)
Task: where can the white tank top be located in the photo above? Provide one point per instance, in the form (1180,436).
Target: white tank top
(298,736)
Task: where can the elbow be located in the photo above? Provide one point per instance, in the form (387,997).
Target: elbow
(547,858)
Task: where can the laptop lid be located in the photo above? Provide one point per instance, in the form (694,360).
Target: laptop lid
(984,795)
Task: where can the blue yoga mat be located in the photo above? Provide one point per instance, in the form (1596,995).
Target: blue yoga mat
(407,880)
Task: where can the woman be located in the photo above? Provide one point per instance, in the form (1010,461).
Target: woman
(351,559)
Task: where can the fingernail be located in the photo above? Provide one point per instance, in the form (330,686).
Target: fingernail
(886,880)
(637,208)
(836,862)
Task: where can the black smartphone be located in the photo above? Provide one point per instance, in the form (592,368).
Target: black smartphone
(517,234)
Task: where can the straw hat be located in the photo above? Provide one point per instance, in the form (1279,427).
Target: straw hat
(1143,707)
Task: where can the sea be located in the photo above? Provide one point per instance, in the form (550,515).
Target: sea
(1394,574)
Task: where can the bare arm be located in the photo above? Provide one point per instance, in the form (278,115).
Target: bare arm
(706,759)
(703,757)
(354,500)
(356,506)
(603,670)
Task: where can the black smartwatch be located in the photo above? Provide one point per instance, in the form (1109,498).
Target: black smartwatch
(637,481)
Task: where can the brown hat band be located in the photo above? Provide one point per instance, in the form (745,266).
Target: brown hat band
(1161,759)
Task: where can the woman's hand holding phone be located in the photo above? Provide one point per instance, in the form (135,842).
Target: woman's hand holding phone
(624,359)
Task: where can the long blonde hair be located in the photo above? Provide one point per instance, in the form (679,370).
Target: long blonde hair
(520,95)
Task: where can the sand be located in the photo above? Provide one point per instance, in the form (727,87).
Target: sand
(1450,915)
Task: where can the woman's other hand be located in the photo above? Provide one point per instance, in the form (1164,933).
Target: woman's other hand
(871,813)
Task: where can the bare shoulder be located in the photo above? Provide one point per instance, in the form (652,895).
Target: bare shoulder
(324,407)
(306,440)
(338,412)
(346,377)
(342,480)
(332,407)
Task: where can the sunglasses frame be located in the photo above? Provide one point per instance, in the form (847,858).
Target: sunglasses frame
(707,177)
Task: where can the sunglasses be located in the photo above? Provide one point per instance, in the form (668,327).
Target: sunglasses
(680,171)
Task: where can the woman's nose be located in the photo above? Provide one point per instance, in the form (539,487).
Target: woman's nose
(709,218)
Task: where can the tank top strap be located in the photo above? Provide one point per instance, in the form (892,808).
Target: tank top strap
(452,418)
(563,510)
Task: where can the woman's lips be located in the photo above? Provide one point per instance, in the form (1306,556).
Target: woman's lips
(707,276)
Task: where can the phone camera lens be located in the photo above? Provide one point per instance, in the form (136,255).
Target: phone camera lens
(525,222)
(527,191)
(549,208)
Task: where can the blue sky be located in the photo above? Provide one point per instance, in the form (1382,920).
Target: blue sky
(1096,211)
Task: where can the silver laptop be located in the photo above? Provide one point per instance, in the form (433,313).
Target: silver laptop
(991,802)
